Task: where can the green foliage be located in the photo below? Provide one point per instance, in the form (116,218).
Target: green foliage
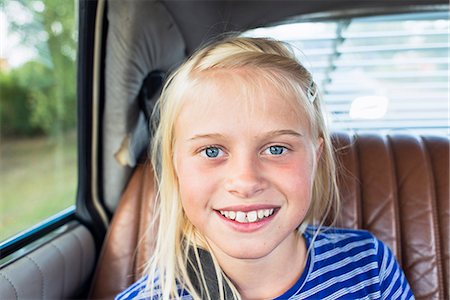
(15,112)
(40,95)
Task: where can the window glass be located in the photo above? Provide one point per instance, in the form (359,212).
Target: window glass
(385,73)
(37,112)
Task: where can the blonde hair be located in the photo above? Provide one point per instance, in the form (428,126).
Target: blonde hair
(176,251)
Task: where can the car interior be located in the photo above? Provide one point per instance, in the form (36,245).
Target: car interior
(394,184)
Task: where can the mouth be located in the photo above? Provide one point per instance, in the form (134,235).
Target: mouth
(252,216)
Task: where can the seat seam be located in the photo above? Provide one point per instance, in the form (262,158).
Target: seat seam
(82,256)
(11,283)
(359,199)
(396,197)
(63,294)
(349,140)
(434,215)
(41,273)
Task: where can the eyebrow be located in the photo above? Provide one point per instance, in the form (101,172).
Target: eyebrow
(283,132)
(266,135)
(207,136)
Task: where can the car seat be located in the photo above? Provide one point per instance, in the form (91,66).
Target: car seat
(395,186)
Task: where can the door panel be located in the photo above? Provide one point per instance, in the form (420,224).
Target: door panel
(57,269)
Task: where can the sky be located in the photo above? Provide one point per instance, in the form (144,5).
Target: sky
(10,47)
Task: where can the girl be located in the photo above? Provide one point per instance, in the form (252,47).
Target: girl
(246,178)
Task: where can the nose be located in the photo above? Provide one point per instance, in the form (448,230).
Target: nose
(245,178)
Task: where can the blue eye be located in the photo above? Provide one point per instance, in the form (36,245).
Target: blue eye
(212,152)
(276,150)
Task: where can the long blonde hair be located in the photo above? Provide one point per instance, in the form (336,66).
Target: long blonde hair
(176,251)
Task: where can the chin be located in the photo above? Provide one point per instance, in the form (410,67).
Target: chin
(250,251)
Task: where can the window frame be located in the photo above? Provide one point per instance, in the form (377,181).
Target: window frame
(83,211)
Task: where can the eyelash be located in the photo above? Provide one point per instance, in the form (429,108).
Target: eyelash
(203,151)
(283,148)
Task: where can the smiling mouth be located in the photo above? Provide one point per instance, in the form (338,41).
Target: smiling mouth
(249,216)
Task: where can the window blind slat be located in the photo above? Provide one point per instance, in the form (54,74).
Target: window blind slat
(404,58)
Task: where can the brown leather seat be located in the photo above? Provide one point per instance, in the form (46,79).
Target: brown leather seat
(394,186)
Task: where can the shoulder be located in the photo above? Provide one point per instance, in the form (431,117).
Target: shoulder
(351,263)
(341,240)
(344,248)
(343,263)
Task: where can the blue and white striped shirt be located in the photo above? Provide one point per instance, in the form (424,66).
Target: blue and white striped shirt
(342,264)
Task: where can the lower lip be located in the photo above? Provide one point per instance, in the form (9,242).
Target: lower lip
(248,227)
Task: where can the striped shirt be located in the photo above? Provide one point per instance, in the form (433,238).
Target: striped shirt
(342,264)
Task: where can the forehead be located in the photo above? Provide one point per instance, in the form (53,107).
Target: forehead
(240,95)
(248,88)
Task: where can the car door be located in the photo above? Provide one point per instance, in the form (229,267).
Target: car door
(51,228)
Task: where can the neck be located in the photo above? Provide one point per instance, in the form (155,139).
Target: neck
(269,276)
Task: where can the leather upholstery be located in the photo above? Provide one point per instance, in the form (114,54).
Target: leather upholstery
(394,186)
(398,188)
(127,243)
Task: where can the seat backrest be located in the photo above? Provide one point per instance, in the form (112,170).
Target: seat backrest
(395,186)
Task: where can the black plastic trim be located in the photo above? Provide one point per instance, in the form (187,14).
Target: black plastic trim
(85,208)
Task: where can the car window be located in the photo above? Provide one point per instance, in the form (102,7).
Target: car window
(384,73)
(37,112)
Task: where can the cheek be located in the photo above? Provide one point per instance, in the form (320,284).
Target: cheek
(194,185)
(296,180)
(189,194)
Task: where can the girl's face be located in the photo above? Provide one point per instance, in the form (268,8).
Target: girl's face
(245,163)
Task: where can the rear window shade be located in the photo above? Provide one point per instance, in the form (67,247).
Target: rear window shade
(385,73)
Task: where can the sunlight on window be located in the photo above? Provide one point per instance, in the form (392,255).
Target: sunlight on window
(369,107)
(402,58)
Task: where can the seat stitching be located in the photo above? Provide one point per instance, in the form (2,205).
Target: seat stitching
(359,195)
(42,275)
(346,174)
(396,199)
(80,244)
(12,284)
(434,215)
(63,268)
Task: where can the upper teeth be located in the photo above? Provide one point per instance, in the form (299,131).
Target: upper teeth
(247,217)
